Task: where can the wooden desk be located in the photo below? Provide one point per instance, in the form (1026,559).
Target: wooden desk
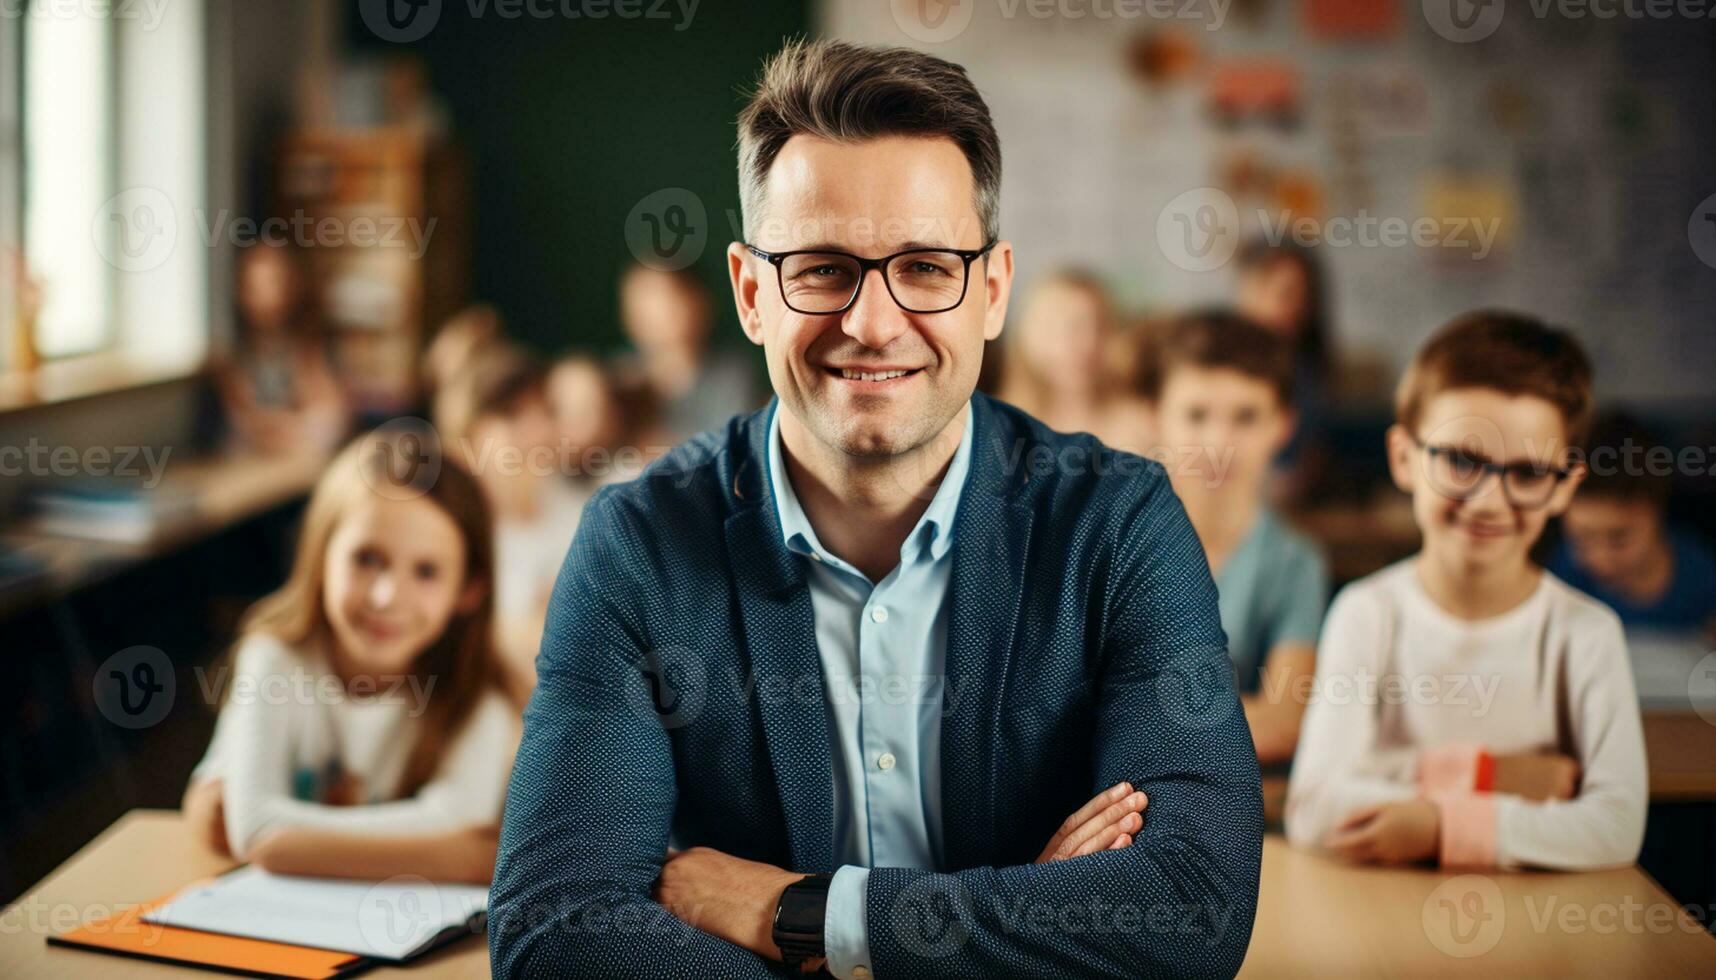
(1681,746)
(226,489)
(1319,918)
(144,855)
(1315,917)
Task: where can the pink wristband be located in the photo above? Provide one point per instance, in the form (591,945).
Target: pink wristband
(1468,833)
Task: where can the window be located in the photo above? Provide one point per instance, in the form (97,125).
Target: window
(102,177)
(68,173)
(11,179)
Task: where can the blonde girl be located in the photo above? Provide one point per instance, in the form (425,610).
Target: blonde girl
(1059,363)
(362,735)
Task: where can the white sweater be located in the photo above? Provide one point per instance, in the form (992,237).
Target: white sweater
(528,554)
(289,728)
(1406,691)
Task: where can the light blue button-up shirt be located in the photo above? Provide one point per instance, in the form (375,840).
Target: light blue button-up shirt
(883,648)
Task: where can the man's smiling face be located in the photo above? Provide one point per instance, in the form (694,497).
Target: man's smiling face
(874,381)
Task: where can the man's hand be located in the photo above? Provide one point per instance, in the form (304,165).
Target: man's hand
(735,899)
(1107,822)
(725,896)
(1545,776)
(1389,833)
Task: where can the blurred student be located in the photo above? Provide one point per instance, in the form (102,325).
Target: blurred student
(667,316)
(494,419)
(279,389)
(1058,364)
(607,434)
(1222,390)
(1282,287)
(1618,545)
(1470,707)
(362,736)
(458,342)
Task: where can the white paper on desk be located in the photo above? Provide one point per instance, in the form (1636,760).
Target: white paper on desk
(391,920)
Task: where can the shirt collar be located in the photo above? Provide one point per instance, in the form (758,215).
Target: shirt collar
(934,529)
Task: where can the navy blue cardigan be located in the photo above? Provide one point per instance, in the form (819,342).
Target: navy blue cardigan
(680,695)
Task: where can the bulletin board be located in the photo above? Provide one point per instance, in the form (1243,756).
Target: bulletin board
(1586,148)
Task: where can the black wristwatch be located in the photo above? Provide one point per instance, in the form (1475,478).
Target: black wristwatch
(798,919)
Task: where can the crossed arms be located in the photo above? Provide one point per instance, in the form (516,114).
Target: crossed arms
(587,821)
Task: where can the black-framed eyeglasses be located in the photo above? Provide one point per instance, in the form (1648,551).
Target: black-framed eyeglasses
(1460,474)
(818,282)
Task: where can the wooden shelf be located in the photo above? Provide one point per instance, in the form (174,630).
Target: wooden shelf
(380,300)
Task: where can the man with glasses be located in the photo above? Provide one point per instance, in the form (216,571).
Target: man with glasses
(886,678)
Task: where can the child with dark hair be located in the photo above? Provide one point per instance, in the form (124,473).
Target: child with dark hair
(1618,545)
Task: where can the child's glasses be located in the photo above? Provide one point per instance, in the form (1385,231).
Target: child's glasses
(1460,474)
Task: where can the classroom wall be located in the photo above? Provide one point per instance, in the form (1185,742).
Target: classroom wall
(570,124)
(1594,138)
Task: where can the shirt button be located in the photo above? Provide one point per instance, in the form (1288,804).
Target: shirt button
(885,761)
(815,557)
(861,972)
(879,614)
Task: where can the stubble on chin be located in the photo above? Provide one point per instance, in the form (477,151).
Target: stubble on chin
(886,436)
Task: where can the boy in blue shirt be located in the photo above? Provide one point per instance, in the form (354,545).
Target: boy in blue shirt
(1618,546)
(1221,388)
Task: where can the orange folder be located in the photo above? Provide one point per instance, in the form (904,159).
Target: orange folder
(126,934)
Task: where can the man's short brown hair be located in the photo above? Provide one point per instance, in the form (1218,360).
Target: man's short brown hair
(1512,353)
(846,93)
(1212,339)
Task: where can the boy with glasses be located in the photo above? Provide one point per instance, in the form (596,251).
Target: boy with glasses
(1470,707)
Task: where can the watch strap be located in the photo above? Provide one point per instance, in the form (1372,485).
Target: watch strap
(798,926)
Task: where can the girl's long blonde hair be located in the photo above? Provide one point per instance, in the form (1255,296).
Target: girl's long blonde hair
(1017,380)
(397,465)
